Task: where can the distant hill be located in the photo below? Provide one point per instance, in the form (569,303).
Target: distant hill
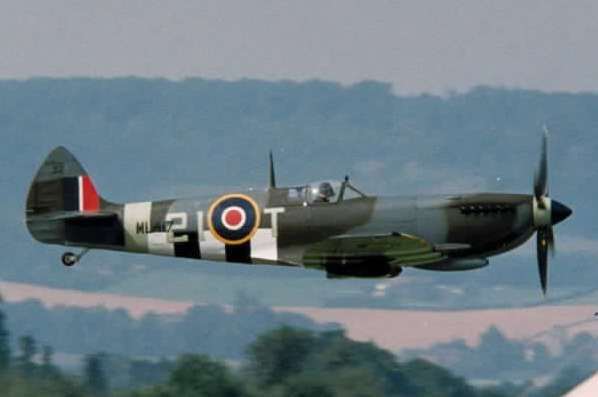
(143,139)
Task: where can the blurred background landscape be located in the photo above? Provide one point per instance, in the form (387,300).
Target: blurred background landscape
(144,139)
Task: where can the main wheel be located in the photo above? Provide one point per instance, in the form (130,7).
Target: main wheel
(69,259)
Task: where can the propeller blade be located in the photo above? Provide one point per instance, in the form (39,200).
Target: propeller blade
(550,240)
(542,250)
(541,176)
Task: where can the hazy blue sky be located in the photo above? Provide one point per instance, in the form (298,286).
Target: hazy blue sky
(419,46)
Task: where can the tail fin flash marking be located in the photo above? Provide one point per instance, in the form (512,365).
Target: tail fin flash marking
(89,200)
(70,194)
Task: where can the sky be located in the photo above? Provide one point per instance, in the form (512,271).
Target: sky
(418,46)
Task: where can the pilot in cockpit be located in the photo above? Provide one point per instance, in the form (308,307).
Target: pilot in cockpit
(325,193)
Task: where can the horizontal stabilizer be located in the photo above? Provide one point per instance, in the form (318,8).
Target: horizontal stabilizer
(73,215)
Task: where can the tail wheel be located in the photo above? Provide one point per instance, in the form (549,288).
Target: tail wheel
(69,259)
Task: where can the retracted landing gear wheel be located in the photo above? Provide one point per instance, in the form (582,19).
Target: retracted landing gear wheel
(69,259)
(395,271)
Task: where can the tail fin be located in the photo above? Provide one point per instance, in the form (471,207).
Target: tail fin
(64,207)
(61,184)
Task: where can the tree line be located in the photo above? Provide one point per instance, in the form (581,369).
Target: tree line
(206,329)
(284,361)
(513,360)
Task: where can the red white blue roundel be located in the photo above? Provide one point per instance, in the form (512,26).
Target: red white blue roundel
(234,218)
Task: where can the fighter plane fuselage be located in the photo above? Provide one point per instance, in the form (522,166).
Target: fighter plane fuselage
(330,226)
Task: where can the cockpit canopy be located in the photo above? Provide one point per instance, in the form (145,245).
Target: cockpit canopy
(322,192)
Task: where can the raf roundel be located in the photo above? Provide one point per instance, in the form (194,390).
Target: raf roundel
(234,218)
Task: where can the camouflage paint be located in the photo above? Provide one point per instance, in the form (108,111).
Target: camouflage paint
(360,236)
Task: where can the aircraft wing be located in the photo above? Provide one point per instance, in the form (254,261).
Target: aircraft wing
(398,249)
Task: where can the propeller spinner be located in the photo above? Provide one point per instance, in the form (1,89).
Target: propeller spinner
(547,213)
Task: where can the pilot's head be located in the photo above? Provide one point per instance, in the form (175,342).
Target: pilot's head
(325,191)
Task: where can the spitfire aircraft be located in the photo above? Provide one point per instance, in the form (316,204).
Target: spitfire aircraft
(327,225)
